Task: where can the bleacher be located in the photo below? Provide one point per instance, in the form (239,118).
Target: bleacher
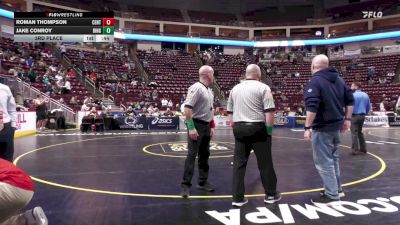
(8,44)
(289,86)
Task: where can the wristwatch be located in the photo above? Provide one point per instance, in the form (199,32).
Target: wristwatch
(349,119)
(307,128)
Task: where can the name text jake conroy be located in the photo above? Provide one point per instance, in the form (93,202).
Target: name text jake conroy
(33,30)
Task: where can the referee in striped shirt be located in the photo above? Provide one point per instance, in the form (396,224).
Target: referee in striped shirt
(199,120)
(251,111)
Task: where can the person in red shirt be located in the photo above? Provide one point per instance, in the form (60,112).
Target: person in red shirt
(16,191)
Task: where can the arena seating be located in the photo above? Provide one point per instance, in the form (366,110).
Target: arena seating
(171,83)
(290,86)
(228,74)
(8,44)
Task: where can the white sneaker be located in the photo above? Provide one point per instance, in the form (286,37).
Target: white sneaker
(240,204)
(36,216)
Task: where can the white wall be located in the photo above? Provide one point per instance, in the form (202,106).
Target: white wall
(146,45)
(229,50)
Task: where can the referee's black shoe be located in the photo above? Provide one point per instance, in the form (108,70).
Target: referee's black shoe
(185,192)
(271,199)
(205,187)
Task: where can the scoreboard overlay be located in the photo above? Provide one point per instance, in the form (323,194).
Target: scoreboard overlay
(64,26)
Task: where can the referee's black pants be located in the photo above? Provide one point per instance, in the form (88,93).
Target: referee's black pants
(200,148)
(357,136)
(252,136)
(7,142)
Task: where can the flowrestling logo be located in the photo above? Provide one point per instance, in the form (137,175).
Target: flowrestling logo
(158,120)
(263,215)
(372,14)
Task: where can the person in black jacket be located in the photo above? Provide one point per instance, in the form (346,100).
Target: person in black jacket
(329,106)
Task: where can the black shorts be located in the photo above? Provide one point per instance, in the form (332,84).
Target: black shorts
(41,115)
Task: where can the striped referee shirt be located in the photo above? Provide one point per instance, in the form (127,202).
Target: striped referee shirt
(249,100)
(200,99)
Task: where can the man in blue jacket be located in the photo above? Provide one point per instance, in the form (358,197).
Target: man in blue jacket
(329,105)
(362,106)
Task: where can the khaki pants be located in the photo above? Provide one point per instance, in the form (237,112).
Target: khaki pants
(12,199)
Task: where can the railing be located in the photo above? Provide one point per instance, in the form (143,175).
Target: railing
(91,83)
(111,98)
(218,91)
(265,78)
(122,106)
(102,91)
(27,91)
(141,69)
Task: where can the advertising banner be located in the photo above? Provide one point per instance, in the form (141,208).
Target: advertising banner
(376,121)
(26,121)
(391,49)
(132,123)
(394,121)
(352,52)
(163,123)
(221,121)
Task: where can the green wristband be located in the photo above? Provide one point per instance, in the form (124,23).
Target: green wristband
(190,124)
(269,129)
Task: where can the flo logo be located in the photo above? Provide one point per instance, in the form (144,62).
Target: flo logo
(263,215)
(372,14)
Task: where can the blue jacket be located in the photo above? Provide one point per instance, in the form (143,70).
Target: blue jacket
(327,95)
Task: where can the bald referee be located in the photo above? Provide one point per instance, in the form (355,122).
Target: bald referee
(251,109)
(200,124)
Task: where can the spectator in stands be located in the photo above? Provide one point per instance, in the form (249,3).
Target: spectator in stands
(183,97)
(66,88)
(31,75)
(283,97)
(299,112)
(48,88)
(59,76)
(168,112)
(63,50)
(370,73)
(73,101)
(170,104)
(382,106)
(81,54)
(87,100)
(93,76)
(371,82)
(56,89)
(382,80)
(164,103)
(154,94)
(71,74)
(93,112)
(30,62)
